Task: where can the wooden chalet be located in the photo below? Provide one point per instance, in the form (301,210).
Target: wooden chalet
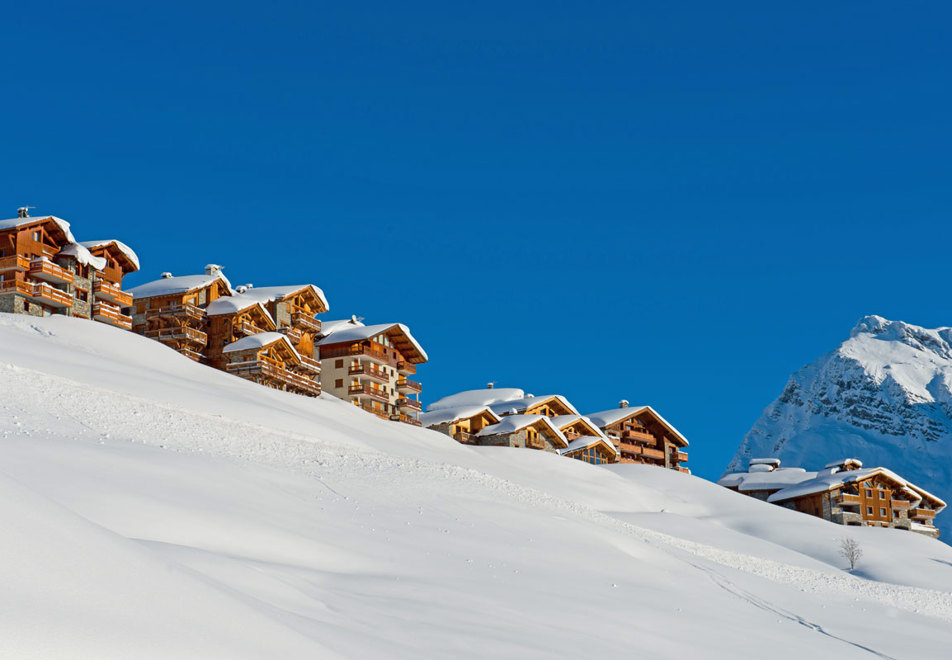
(461,423)
(269,358)
(843,492)
(45,271)
(641,435)
(528,431)
(371,367)
(172,309)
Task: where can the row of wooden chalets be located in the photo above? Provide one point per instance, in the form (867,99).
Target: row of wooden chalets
(271,335)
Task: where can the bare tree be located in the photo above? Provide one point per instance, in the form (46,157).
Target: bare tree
(850,549)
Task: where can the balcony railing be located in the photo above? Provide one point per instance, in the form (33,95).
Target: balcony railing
(248,328)
(535,443)
(182,333)
(684,470)
(111,314)
(48,295)
(679,456)
(641,436)
(652,453)
(305,322)
(367,390)
(369,371)
(846,499)
(412,404)
(407,385)
(17,286)
(274,374)
(108,291)
(15,262)
(310,365)
(181,311)
(628,448)
(405,367)
(919,512)
(464,437)
(292,333)
(43,269)
(373,352)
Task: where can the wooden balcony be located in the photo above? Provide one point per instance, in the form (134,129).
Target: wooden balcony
(184,311)
(845,499)
(373,352)
(178,334)
(108,291)
(305,322)
(411,404)
(368,391)
(310,365)
(16,262)
(17,286)
(628,448)
(248,328)
(292,333)
(47,295)
(267,372)
(684,470)
(406,368)
(535,443)
(919,512)
(407,385)
(655,454)
(370,372)
(679,456)
(465,438)
(638,436)
(43,269)
(111,314)
(412,421)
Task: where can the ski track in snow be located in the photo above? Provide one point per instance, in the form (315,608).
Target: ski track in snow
(194,432)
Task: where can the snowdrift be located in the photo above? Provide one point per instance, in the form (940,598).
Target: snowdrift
(156,508)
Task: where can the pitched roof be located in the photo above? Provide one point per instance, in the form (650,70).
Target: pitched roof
(828,479)
(770,480)
(586,441)
(518,405)
(234,304)
(82,254)
(615,415)
(167,286)
(258,341)
(561,421)
(124,249)
(350,332)
(444,415)
(266,294)
(13,223)
(514,423)
(483,397)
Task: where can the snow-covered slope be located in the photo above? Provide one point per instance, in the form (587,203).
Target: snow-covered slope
(883,396)
(155,508)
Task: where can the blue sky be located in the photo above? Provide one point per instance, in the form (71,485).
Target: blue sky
(674,203)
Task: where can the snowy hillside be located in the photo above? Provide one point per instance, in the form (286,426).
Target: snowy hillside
(156,508)
(883,396)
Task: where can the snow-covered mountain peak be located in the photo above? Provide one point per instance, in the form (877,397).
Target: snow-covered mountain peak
(884,395)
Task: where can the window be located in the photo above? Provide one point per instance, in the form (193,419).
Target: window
(881,494)
(869,510)
(882,512)
(36,235)
(869,493)
(339,382)
(338,364)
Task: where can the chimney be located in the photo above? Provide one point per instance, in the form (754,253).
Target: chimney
(165,276)
(623,403)
(249,285)
(23,212)
(489,386)
(213,269)
(241,289)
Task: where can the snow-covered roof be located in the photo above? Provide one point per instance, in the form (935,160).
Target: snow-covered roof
(20,222)
(518,405)
(615,415)
(167,286)
(234,304)
(259,340)
(766,461)
(515,423)
(445,415)
(845,461)
(266,294)
(766,480)
(561,421)
(82,254)
(350,333)
(122,247)
(586,441)
(831,478)
(483,397)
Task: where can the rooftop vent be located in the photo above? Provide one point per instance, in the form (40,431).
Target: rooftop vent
(623,403)
(249,285)
(764,464)
(241,289)
(213,269)
(165,276)
(24,211)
